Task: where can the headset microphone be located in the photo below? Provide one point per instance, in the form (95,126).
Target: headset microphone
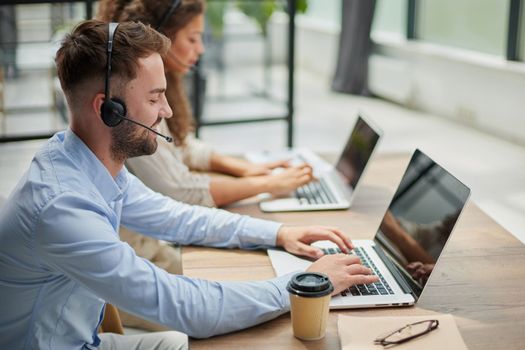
(191,67)
(167,138)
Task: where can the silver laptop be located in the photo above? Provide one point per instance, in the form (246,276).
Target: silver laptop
(408,242)
(334,187)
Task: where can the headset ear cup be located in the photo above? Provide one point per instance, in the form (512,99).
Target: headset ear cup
(119,107)
(112,112)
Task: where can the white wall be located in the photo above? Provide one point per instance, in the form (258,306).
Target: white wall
(482,91)
(478,90)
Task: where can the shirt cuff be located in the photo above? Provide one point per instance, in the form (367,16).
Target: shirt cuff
(280,283)
(259,233)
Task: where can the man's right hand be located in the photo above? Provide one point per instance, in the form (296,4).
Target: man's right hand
(343,271)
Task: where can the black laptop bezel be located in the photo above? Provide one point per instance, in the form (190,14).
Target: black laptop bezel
(378,132)
(407,284)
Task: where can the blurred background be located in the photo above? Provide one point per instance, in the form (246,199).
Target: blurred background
(444,76)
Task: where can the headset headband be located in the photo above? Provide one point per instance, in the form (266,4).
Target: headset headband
(111,33)
(174,5)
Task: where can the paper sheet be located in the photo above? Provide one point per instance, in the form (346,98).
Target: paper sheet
(360,332)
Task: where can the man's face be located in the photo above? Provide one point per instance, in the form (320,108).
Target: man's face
(146,103)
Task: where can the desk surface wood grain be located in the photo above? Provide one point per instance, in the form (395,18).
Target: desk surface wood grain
(480,278)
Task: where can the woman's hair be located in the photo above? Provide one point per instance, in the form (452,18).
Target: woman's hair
(151,12)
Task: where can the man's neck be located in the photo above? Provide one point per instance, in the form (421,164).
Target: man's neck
(100,144)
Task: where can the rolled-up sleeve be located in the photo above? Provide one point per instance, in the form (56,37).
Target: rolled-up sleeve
(92,255)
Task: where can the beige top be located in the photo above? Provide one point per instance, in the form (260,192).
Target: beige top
(169,170)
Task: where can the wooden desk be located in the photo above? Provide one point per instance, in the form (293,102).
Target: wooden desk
(480,278)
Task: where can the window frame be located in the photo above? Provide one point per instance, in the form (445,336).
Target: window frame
(514,27)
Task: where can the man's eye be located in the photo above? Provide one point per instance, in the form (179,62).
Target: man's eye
(153,101)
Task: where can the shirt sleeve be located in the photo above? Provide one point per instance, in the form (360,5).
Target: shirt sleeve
(161,217)
(165,172)
(74,237)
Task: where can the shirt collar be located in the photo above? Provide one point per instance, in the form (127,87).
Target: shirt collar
(111,189)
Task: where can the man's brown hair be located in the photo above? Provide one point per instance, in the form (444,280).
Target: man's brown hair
(83,54)
(151,12)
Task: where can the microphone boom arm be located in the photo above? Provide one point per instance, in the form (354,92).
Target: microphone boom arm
(167,138)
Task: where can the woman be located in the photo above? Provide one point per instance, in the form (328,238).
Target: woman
(169,170)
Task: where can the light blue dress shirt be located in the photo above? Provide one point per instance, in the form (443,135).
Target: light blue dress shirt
(61,258)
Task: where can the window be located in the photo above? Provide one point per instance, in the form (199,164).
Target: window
(521,33)
(474,25)
(390,16)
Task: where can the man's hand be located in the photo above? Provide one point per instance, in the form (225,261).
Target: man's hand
(343,271)
(296,240)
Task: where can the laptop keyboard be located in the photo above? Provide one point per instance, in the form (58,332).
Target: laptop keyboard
(380,287)
(315,192)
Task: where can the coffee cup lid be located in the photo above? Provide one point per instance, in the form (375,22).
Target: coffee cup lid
(310,285)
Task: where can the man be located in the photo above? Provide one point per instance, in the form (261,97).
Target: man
(60,255)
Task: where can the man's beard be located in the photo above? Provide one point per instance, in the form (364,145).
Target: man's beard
(128,141)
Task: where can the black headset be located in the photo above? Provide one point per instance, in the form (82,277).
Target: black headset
(174,5)
(113,110)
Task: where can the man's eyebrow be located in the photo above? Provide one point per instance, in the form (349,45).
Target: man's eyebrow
(158,91)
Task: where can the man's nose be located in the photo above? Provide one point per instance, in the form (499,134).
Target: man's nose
(166,111)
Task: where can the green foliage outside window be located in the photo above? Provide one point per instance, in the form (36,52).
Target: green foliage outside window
(259,10)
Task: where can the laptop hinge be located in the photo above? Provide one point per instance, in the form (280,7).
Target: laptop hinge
(395,272)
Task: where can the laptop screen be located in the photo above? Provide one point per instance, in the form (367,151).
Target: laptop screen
(420,219)
(357,152)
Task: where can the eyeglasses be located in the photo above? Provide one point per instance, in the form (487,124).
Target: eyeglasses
(408,332)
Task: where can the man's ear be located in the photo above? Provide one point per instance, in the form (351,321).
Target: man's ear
(96,105)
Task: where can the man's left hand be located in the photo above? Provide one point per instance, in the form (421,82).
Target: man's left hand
(297,240)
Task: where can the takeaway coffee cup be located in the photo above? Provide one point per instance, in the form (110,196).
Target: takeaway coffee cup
(310,294)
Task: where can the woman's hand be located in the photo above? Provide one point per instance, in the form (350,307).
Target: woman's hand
(256,169)
(289,179)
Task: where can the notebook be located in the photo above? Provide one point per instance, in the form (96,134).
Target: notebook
(408,242)
(335,187)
